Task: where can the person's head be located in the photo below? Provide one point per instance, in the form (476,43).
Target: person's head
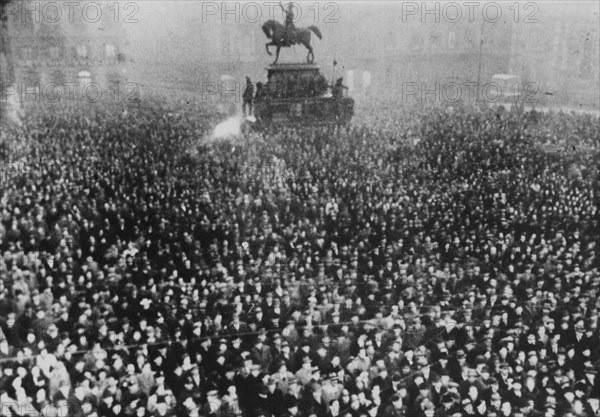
(21,371)
(189,403)
(255,369)
(397,401)
(375,391)
(578,406)
(212,395)
(345,396)
(472,375)
(569,395)
(159,377)
(517,386)
(473,391)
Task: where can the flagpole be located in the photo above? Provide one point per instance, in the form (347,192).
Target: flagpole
(333,70)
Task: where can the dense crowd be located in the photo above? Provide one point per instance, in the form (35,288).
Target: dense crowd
(421,262)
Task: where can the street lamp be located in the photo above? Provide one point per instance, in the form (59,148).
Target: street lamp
(480,60)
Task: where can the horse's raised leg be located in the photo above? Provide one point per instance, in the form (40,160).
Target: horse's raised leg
(267,48)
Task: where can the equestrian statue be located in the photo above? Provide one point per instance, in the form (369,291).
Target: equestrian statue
(288,35)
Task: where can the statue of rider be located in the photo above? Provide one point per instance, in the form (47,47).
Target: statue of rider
(289,22)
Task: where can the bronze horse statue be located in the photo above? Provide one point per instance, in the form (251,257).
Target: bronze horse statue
(277,33)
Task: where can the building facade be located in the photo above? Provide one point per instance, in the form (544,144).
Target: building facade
(559,54)
(54,56)
(426,54)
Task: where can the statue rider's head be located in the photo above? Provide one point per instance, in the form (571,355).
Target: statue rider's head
(289,8)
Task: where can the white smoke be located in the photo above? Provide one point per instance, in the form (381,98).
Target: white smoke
(13,110)
(231,127)
(227,129)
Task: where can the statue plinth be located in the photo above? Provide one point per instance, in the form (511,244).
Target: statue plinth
(285,67)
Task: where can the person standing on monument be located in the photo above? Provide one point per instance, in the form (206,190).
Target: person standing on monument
(248,97)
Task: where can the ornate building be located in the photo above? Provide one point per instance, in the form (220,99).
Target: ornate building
(560,54)
(51,50)
(424,52)
(188,54)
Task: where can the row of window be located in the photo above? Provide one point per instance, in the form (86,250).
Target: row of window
(58,77)
(56,52)
(436,40)
(232,44)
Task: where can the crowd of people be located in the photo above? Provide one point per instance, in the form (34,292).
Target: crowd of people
(427,261)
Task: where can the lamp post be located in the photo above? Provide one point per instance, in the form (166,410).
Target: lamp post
(480,60)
